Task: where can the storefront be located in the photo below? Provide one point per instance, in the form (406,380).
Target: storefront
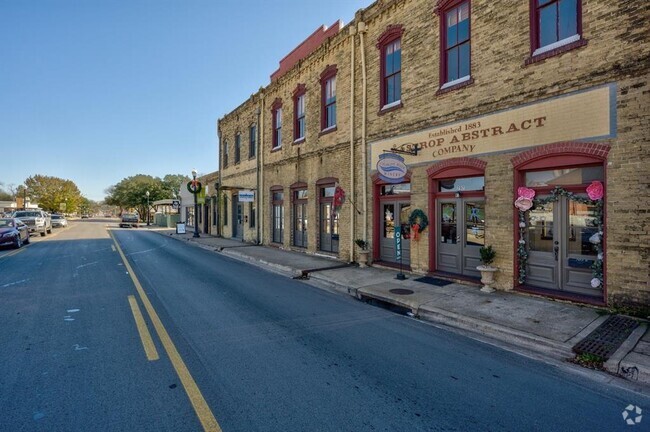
(524,180)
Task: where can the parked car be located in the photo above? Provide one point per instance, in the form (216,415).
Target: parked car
(59,221)
(38,221)
(13,232)
(85,216)
(129,220)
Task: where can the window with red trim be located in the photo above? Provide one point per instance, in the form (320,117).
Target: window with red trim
(455,44)
(390,48)
(328,98)
(299,113)
(276,117)
(554,23)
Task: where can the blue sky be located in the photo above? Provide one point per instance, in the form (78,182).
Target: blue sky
(97,90)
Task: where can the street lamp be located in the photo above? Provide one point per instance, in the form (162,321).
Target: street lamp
(195,191)
(148,212)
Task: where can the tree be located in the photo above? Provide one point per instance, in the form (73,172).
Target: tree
(174,183)
(131,192)
(8,192)
(51,192)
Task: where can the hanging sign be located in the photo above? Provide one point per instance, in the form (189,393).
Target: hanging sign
(246,196)
(391,167)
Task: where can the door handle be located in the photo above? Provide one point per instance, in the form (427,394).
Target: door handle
(556,250)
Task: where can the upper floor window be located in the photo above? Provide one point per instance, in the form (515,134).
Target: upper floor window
(237,148)
(225,153)
(390,46)
(252,141)
(276,115)
(554,23)
(328,100)
(299,113)
(456,43)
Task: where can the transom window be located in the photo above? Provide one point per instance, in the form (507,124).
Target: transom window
(564,177)
(278,196)
(456,45)
(327,192)
(301,194)
(396,189)
(461,184)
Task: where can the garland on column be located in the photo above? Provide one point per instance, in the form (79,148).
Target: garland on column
(526,200)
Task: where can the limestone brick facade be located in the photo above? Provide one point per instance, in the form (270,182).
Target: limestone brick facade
(588,101)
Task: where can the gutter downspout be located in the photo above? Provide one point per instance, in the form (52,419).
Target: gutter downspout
(218,191)
(260,157)
(353,31)
(364,150)
(258,182)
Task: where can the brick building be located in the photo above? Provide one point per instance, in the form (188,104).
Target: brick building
(459,109)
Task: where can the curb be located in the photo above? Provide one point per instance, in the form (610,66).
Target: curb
(623,363)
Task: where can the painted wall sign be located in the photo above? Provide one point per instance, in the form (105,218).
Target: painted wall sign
(246,196)
(587,114)
(391,167)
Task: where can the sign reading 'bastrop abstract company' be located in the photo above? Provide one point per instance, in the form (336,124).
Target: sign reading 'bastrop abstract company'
(391,168)
(582,115)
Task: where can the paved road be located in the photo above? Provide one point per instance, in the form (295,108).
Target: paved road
(250,350)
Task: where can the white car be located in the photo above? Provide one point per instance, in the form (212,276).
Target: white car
(59,221)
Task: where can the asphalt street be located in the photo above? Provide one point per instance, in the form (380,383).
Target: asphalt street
(241,349)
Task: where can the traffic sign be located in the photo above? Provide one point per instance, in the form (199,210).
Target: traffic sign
(176,204)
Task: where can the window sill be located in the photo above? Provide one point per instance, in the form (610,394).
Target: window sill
(275,149)
(299,141)
(535,58)
(251,157)
(449,88)
(390,107)
(327,130)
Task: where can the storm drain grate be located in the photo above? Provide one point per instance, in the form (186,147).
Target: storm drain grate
(606,339)
(401,291)
(433,281)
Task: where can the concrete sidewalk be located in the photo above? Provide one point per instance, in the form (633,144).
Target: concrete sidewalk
(545,327)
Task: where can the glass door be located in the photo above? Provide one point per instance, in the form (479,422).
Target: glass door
(395,214)
(329,228)
(461,233)
(300,225)
(560,253)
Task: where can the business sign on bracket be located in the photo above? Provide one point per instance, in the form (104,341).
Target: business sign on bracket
(391,168)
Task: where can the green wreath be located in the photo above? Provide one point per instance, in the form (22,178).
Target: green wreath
(420,218)
(198,187)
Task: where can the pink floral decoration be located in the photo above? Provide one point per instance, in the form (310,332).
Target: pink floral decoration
(595,190)
(523,203)
(524,192)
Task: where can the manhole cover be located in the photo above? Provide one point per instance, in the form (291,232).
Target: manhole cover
(606,339)
(401,291)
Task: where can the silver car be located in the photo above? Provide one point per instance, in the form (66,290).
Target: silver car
(59,221)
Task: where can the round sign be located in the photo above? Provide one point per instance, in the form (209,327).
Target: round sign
(391,167)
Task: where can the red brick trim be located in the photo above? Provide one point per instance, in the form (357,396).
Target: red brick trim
(276,188)
(300,89)
(565,148)
(298,185)
(327,181)
(463,162)
(391,33)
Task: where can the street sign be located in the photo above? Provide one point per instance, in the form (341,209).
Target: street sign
(176,204)
(62,206)
(246,196)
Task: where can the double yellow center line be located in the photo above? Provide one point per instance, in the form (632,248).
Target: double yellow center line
(201,408)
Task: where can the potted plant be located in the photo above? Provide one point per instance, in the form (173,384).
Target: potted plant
(363,252)
(487,271)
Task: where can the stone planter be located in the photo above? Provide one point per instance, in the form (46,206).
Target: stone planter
(363,258)
(487,277)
